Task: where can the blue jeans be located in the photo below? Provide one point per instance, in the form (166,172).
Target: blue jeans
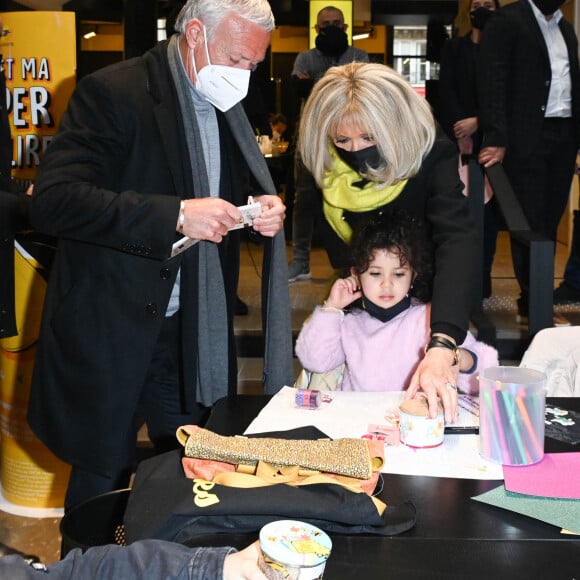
(142,559)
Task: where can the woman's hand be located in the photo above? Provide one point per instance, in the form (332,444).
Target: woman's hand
(437,377)
(343,292)
(271,220)
(465,127)
(243,565)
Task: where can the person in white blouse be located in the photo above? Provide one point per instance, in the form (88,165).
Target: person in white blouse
(529,111)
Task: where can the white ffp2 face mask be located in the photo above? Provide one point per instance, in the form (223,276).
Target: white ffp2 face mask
(223,86)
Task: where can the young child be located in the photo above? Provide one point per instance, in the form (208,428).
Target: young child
(382,334)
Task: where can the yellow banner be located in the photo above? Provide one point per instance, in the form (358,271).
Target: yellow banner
(39,52)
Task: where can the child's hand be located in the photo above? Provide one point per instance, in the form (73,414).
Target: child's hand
(344,292)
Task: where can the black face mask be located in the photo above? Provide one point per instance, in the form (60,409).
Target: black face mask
(362,159)
(384,314)
(332,41)
(548,7)
(479,17)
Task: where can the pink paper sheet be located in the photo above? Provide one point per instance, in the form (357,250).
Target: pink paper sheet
(555,476)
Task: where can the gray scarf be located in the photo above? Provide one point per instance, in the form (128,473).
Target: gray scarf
(212,375)
(213,359)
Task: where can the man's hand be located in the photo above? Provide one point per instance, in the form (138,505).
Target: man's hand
(271,220)
(209,218)
(244,565)
(489,156)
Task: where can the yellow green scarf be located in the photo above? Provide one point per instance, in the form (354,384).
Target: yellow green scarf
(340,194)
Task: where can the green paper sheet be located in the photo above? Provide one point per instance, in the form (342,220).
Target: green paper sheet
(564,513)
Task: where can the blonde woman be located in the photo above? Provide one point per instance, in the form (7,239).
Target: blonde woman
(371,141)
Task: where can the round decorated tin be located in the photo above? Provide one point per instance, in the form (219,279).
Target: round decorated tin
(417,428)
(293,550)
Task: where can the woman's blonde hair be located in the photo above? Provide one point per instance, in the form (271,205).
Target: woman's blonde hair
(374,99)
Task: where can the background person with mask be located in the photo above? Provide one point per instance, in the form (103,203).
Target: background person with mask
(458,114)
(152,149)
(332,49)
(529,112)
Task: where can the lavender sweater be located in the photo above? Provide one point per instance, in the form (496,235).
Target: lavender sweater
(379,356)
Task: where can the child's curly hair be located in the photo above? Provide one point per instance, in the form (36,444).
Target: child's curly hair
(395,231)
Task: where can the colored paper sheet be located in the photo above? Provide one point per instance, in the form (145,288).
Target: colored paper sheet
(563,513)
(550,477)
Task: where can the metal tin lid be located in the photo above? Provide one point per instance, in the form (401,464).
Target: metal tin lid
(417,428)
(295,543)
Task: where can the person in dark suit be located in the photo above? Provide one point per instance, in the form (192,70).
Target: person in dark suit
(458,115)
(529,98)
(152,152)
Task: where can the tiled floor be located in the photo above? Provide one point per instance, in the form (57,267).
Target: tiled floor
(41,535)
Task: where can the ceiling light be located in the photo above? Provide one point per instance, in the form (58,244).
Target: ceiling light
(91,33)
(361,33)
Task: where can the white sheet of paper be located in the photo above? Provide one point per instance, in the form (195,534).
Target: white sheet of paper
(349,415)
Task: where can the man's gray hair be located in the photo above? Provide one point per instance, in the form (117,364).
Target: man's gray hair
(212,12)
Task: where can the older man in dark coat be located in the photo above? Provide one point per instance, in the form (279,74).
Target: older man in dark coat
(150,151)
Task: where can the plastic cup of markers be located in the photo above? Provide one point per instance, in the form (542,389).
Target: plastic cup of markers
(293,550)
(511,415)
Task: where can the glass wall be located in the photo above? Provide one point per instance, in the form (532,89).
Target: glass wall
(410,56)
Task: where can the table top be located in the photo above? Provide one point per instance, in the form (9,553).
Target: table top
(452,531)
